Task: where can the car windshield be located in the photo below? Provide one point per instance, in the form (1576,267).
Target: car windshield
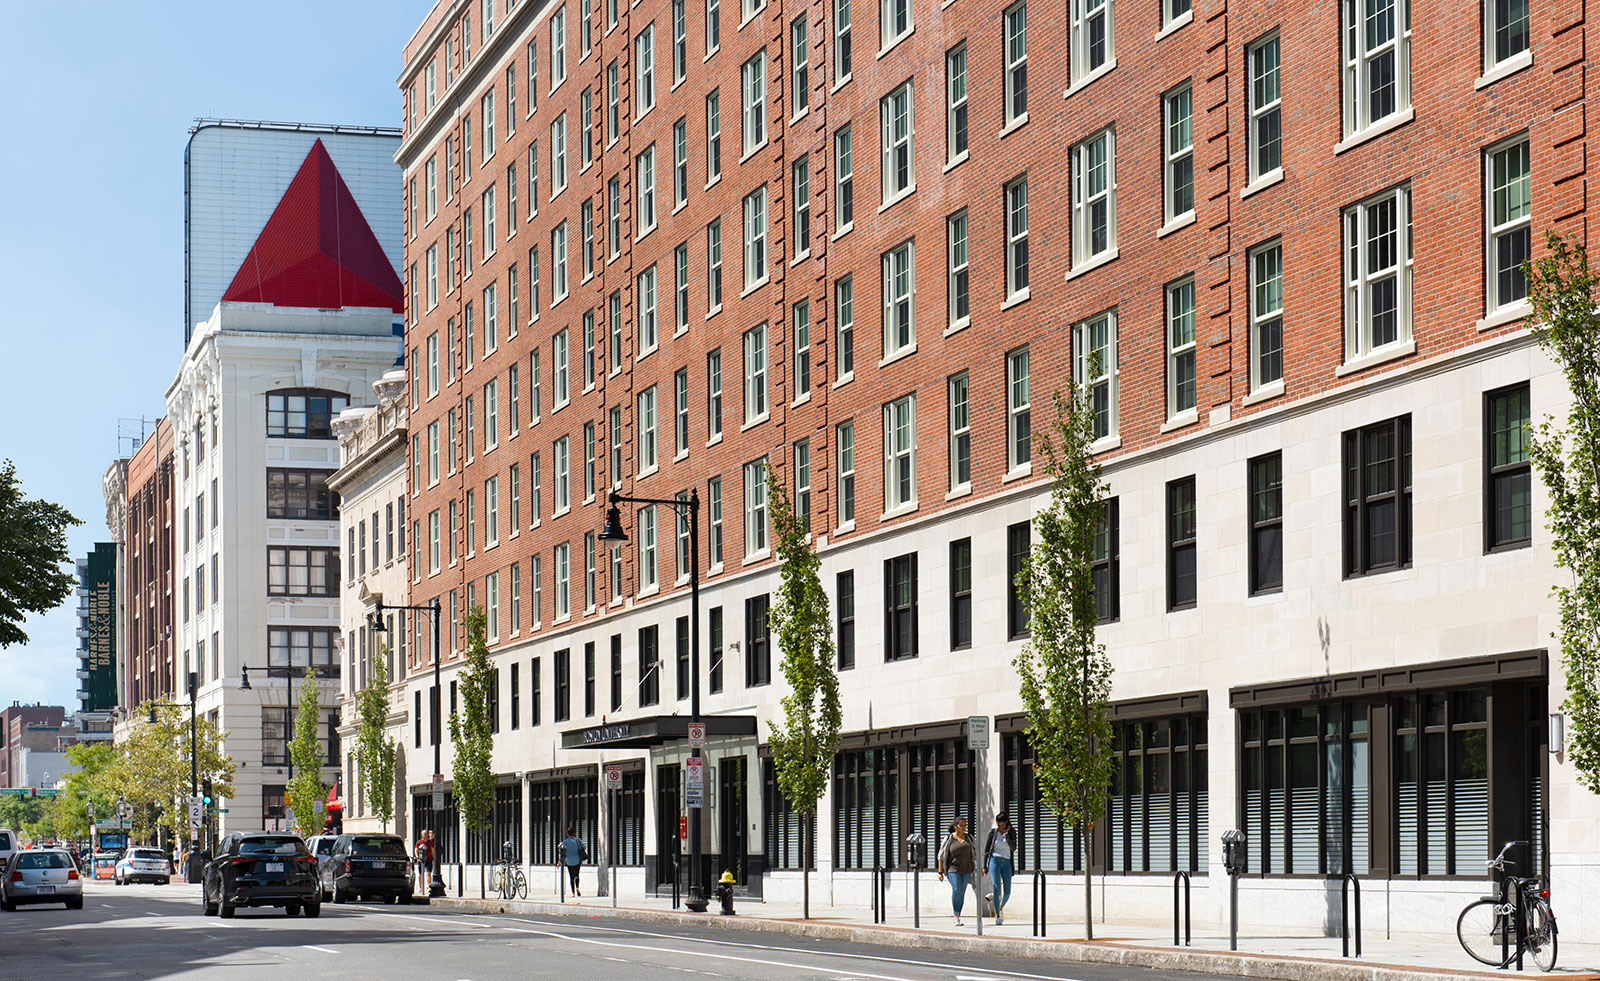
(148,854)
(377,845)
(44,860)
(272,846)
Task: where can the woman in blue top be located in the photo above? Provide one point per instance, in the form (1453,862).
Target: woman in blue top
(574,854)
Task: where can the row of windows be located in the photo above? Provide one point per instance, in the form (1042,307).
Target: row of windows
(386,540)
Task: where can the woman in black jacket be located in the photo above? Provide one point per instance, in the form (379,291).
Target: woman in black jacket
(999,851)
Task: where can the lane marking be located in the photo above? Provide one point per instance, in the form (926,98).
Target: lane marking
(315,947)
(723,943)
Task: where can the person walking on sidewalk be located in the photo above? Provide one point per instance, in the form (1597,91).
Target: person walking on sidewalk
(998,853)
(955,863)
(574,853)
(424,860)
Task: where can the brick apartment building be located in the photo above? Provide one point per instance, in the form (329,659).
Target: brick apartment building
(652,246)
(31,729)
(146,656)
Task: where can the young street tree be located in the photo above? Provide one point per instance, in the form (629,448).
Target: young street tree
(151,770)
(90,785)
(1562,288)
(472,775)
(306,792)
(33,545)
(375,750)
(803,748)
(1065,674)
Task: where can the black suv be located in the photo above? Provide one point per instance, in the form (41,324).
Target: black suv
(367,866)
(260,868)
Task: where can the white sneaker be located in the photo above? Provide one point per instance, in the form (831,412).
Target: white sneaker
(958,921)
(999,918)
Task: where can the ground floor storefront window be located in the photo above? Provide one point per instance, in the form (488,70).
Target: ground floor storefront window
(443,822)
(1420,772)
(784,825)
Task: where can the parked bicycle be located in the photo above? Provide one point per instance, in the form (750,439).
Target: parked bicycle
(1494,930)
(509,881)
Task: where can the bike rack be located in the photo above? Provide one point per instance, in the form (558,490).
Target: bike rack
(880,894)
(1181,877)
(1522,921)
(1348,882)
(1040,900)
(676,895)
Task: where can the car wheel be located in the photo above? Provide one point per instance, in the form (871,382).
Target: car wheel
(292,909)
(8,906)
(75,903)
(313,910)
(339,895)
(225,909)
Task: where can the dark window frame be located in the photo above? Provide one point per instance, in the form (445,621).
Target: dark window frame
(844,606)
(329,564)
(649,665)
(900,629)
(1494,473)
(317,419)
(1019,545)
(1183,573)
(961,594)
(563,706)
(301,493)
(757,643)
(1360,505)
(1264,512)
(1106,567)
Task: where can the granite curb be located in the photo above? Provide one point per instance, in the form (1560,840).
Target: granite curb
(1227,963)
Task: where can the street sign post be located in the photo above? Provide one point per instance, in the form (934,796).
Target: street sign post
(978,732)
(196,814)
(613,778)
(695,774)
(438,791)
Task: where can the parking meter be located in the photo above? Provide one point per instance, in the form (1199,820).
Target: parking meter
(917,858)
(1233,852)
(917,850)
(1234,861)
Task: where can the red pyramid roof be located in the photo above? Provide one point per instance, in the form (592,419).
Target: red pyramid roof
(317,249)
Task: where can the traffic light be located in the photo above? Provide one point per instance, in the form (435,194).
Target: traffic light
(205,794)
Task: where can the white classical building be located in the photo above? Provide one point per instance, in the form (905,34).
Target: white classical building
(371,484)
(304,330)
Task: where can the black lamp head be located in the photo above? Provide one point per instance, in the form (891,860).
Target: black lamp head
(613,532)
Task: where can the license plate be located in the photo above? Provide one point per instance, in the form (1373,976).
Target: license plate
(274,866)
(47,890)
(380,865)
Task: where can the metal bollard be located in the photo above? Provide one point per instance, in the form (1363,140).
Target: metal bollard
(1040,892)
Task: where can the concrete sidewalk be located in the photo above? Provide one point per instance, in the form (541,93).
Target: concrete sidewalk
(1290,958)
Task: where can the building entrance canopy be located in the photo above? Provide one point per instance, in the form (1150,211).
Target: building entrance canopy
(653,731)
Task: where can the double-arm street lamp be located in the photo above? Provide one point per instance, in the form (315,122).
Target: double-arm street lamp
(376,623)
(612,532)
(194,769)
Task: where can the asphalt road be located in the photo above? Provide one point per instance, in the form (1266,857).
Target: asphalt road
(159,932)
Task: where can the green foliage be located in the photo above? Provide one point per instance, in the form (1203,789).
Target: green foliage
(1562,289)
(91,781)
(151,771)
(306,793)
(803,747)
(1065,675)
(33,545)
(472,775)
(375,750)
(19,813)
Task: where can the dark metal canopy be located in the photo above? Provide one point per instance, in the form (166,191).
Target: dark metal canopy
(653,731)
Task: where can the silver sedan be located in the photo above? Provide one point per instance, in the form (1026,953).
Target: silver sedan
(41,875)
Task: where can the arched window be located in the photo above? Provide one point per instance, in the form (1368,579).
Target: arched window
(304,413)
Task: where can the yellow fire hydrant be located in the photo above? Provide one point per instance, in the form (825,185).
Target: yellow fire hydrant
(725,893)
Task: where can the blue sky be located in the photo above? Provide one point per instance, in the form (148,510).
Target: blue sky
(91,234)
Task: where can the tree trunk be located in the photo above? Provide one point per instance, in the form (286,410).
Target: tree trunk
(483,880)
(1088,885)
(805,868)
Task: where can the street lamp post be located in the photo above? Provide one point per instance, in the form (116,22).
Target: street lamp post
(375,622)
(612,532)
(194,768)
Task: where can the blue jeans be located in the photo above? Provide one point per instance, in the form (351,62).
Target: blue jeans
(958,889)
(1000,875)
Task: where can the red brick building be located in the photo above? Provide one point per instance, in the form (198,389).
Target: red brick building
(149,673)
(650,245)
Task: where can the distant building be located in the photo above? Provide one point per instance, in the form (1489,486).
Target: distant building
(145,669)
(300,327)
(28,728)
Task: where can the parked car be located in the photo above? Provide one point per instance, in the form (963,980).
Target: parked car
(321,847)
(260,868)
(8,845)
(104,865)
(41,875)
(143,865)
(368,866)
